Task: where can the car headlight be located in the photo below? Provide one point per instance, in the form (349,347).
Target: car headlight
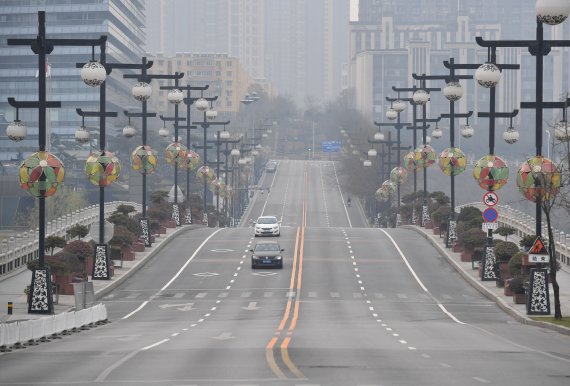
(278,257)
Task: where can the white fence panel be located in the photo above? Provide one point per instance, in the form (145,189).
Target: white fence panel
(38,328)
(24,331)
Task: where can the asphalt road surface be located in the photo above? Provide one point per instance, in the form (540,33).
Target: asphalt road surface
(352,306)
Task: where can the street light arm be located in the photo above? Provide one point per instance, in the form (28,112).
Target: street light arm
(82,113)
(31,105)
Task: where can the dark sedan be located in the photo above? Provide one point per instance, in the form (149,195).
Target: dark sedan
(266,254)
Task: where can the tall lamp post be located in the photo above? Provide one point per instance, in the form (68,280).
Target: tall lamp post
(188,101)
(142,92)
(44,171)
(397,106)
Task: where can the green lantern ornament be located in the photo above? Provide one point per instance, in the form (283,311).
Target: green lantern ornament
(398,175)
(102,168)
(382,194)
(144,159)
(192,160)
(452,161)
(424,156)
(409,161)
(491,172)
(205,174)
(539,179)
(176,154)
(41,174)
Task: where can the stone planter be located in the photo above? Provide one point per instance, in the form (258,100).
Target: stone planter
(457,248)
(162,230)
(169,224)
(466,256)
(519,298)
(64,283)
(138,246)
(429,225)
(435,230)
(128,254)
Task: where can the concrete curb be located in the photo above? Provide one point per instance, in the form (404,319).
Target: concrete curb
(524,319)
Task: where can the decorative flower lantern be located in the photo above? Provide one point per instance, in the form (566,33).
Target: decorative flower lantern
(453,91)
(192,160)
(424,156)
(382,194)
(428,140)
(398,175)
(41,174)
(226,134)
(552,12)
(102,168)
(205,174)
(452,161)
(16,130)
(144,160)
(175,96)
(201,104)
(372,153)
(379,136)
(217,186)
(211,114)
(409,161)
(388,185)
(399,105)
(491,172)
(82,135)
(235,152)
(467,131)
(488,75)
(366,163)
(175,154)
(141,91)
(511,135)
(129,131)
(437,132)
(538,179)
(93,73)
(391,114)
(561,131)
(420,97)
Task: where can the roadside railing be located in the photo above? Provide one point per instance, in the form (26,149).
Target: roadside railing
(16,251)
(524,224)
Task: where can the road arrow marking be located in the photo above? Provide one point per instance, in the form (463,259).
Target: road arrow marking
(264,273)
(222,250)
(180,307)
(206,274)
(251,307)
(224,336)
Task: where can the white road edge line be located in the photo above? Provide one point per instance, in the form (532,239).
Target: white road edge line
(418,279)
(176,275)
(341,196)
(155,344)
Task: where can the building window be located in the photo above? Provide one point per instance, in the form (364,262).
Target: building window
(228,73)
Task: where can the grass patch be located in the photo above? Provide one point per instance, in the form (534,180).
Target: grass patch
(561,322)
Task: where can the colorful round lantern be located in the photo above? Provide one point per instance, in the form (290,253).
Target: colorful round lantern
(205,174)
(538,179)
(452,161)
(424,156)
(391,187)
(144,159)
(192,160)
(41,174)
(217,187)
(382,194)
(398,175)
(176,154)
(102,168)
(409,161)
(491,172)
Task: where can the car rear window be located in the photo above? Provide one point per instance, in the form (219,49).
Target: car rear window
(267,247)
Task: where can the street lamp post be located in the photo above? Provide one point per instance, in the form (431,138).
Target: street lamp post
(205,125)
(41,299)
(385,165)
(142,92)
(488,272)
(188,101)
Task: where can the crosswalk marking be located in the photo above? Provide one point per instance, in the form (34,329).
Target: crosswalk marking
(379,296)
(357,295)
(201,295)
(448,297)
(312,294)
(178,295)
(267,294)
(223,294)
(133,296)
(402,296)
(335,295)
(245,294)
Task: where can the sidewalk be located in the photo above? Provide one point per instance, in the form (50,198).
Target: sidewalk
(496,294)
(12,287)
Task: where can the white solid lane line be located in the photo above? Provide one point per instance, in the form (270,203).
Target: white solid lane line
(175,276)
(451,316)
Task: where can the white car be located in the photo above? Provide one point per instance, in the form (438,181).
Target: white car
(267,226)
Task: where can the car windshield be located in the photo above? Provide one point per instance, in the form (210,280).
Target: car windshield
(266,247)
(267,220)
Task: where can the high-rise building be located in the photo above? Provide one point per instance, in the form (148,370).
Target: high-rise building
(121,21)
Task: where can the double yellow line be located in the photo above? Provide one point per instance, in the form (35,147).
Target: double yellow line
(284,333)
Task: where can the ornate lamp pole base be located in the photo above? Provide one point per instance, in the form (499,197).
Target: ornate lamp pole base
(188,216)
(538,298)
(425,215)
(145,233)
(176,214)
(101,263)
(41,297)
(488,273)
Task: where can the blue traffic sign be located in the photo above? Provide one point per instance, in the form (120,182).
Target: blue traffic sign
(490,215)
(330,146)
